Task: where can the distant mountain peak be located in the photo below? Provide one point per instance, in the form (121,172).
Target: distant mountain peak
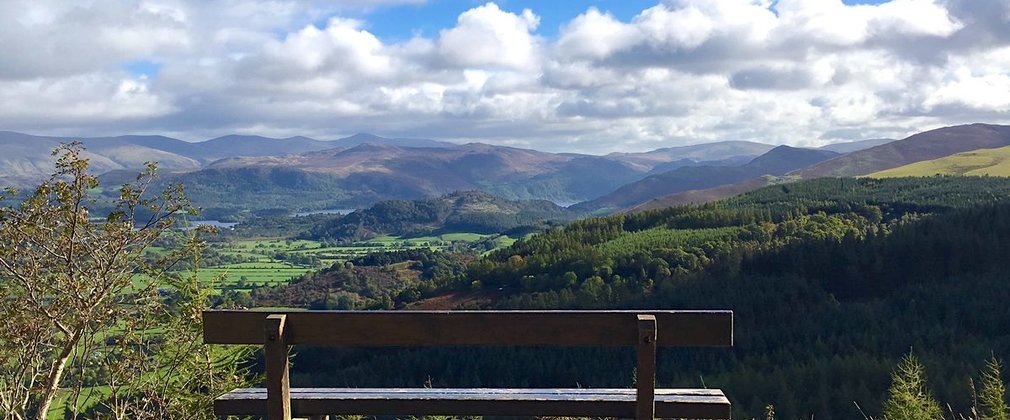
(361,138)
(369,146)
(785,158)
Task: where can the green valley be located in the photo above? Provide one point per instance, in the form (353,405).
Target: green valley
(829,278)
(832,281)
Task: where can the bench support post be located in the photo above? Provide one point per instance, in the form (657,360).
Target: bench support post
(275,354)
(646,377)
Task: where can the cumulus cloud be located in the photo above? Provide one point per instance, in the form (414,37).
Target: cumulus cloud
(801,72)
(595,35)
(488,36)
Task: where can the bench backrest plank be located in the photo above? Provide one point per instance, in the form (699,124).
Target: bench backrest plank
(472,328)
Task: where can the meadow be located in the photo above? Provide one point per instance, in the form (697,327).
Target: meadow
(266,262)
(992,162)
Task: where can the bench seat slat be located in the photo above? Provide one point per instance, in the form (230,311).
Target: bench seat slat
(595,402)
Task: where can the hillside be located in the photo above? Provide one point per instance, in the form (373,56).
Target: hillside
(26,156)
(992,162)
(830,281)
(830,278)
(362,138)
(239,145)
(669,166)
(855,146)
(704,195)
(723,150)
(927,145)
(777,161)
(467,211)
(369,172)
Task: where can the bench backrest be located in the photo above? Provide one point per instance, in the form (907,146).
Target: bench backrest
(472,328)
(645,330)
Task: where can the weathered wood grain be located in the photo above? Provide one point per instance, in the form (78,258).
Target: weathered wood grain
(646,368)
(645,330)
(275,354)
(473,328)
(602,402)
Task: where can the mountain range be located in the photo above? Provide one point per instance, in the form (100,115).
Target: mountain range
(777,161)
(363,169)
(26,157)
(922,147)
(237,173)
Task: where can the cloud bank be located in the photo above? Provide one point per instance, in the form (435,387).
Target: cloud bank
(801,72)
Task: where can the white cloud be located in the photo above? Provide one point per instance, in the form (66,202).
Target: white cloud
(488,36)
(341,49)
(914,17)
(72,100)
(798,71)
(594,35)
(981,91)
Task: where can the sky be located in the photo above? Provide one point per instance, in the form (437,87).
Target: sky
(592,76)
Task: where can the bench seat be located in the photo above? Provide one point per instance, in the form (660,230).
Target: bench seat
(593,402)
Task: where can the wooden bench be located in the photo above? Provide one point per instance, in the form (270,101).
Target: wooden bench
(645,330)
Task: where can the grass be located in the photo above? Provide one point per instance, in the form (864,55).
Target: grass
(266,265)
(96,393)
(992,162)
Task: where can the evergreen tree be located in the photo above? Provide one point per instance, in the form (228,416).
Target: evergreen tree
(993,393)
(908,397)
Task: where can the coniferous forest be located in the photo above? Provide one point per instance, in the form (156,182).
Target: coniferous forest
(831,281)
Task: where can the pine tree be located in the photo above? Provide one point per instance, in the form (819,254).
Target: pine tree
(993,391)
(908,398)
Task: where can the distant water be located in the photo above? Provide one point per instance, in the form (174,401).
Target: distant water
(323,211)
(214,223)
(564,203)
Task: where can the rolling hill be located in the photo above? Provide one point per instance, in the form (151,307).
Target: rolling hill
(855,146)
(238,145)
(777,161)
(735,151)
(26,157)
(861,162)
(362,138)
(248,173)
(242,172)
(927,145)
(993,162)
(365,174)
(704,195)
(466,211)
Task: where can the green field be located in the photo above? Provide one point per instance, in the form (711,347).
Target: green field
(272,262)
(992,162)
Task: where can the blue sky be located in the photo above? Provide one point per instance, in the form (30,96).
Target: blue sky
(592,76)
(403,21)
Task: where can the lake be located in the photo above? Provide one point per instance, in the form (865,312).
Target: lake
(323,211)
(214,223)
